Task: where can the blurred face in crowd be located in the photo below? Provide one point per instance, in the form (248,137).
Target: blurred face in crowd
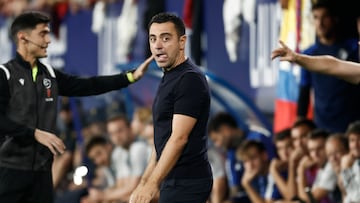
(100,154)
(354,144)
(324,23)
(299,137)
(166,45)
(136,125)
(316,148)
(254,160)
(284,148)
(334,151)
(221,137)
(148,132)
(119,132)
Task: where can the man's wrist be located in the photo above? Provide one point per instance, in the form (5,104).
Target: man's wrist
(130,77)
(296,58)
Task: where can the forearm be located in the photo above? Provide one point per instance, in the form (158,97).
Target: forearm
(291,182)
(302,184)
(218,192)
(253,194)
(330,65)
(149,169)
(282,185)
(80,86)
(123,193)
(321,64)
(168,159)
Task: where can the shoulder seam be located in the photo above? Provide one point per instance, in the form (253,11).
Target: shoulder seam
(6,71)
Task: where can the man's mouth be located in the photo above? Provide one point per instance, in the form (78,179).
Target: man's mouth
(161,56)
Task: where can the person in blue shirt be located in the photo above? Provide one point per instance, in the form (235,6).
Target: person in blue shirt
(335,101)
(256,169)
(226,135)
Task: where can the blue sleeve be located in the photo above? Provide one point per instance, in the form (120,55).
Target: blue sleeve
(234,169)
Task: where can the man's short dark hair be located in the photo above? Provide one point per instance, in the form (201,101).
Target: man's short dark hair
(25,21)
(282,135)
(318,134)
(243,151)
(96,141)
(329,5)
(119,117)
(221,119)
(169,17)
(304,122)
(354,128)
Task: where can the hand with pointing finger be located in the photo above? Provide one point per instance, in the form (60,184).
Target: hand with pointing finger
(284,52)
(51,141)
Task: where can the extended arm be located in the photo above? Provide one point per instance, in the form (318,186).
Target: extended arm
(70,85)
(345,70)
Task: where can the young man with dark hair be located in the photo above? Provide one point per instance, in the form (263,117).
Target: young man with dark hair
(29,91)
(178,166)
(350,164)
(299,133)
(279,167)
(226,135)
(256,164)
(129,159)
(329,92)
(316,178)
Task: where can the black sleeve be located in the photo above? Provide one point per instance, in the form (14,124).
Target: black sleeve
(70,85)
(191,95)
(7,126)
(303,101)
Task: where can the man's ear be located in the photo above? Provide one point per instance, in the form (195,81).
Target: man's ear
(182,42)
(21,36)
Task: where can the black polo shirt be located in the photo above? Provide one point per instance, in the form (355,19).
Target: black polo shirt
(184,90)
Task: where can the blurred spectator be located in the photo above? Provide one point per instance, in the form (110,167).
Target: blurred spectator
(220,188)
(226,135)
(141,116)
(316,178)
(336,147)
(335,101)
(278,181)
(256,163)
(299,132)
(350,164)
(129,159)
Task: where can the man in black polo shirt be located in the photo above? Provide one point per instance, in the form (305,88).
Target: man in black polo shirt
(179,164)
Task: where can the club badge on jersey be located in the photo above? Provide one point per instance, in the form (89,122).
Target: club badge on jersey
(47,85)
